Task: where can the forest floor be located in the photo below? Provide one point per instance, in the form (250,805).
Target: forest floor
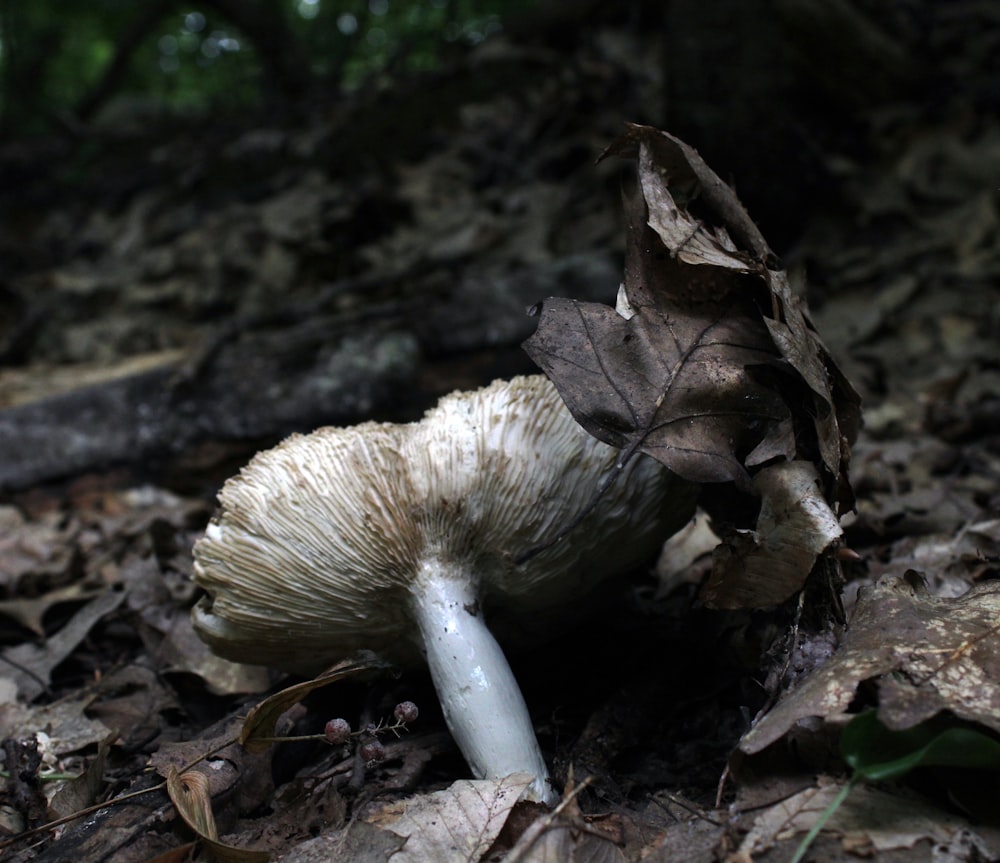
(169,309)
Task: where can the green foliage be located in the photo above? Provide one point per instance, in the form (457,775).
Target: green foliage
(355,40)
(197,60)
(49,54)
(55,56)
(876,753)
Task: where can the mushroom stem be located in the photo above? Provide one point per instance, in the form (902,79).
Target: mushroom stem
(482,703)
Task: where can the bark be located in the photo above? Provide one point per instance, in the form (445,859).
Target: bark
(264,378)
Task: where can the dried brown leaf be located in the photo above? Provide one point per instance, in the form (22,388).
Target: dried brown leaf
(76,794)
(67,723)
(39,549)
(189,792)
(359,841)
(709,356)
(564,836)
(709,364)
(766,566)
(869,818)
(835,409)
(675,379)
(662,157)
(691,176)
(30,611)
(460,823)
(182,650)
(929,654)
(31,665)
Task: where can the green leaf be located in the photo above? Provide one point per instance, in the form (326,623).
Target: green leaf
(875,752)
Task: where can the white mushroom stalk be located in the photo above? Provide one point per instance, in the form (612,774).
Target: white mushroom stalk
(481,700)
(403,540)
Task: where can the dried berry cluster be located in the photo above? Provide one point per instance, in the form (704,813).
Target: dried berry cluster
(338,732)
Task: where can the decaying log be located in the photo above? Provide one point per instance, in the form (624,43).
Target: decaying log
(261,380)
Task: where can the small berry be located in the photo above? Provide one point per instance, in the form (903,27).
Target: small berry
(337,731)
(372,751)
(406,711)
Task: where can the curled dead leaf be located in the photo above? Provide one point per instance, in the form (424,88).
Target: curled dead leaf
(678,379)
(708,356)
(766,566)
(261,721)
(709,364)
(189,793)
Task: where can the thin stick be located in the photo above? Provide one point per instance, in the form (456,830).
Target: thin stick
(117,801)
(543,824)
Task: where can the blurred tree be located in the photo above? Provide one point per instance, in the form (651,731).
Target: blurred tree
(62,64)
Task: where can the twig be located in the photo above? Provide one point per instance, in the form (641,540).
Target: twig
(694,810)
(97,807)
(539,827)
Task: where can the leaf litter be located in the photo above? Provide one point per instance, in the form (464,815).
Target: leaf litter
(709,365)
(922,434)
(460,822)
(694,367)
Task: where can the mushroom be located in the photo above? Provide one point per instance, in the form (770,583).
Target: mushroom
(400,539)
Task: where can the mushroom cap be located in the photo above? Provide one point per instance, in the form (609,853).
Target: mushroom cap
(321,541)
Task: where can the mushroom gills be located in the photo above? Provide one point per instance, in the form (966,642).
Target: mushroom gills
(347,538)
